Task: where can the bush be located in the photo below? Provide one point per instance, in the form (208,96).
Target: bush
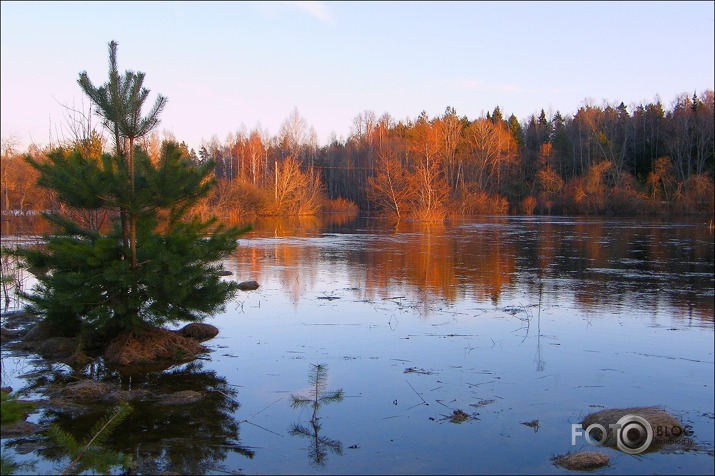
(340,204)
(696,195)
(480,202)
(528,205)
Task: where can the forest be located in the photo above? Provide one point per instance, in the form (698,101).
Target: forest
(603,160)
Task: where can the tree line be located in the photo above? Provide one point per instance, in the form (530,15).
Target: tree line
(604,159)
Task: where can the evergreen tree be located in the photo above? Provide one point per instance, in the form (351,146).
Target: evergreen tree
(167,269)
(545,128)
(90,453)
(516,131)
(497,116)
(318,397)
(120,103)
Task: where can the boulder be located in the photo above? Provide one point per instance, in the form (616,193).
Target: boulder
(657,417)
(68,405)
(183,397)
(128,395)
(87,391)
(198,331)
(582,460)
(248,286)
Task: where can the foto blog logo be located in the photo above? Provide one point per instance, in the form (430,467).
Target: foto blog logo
(633,434)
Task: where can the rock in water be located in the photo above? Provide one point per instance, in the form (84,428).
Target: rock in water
(582,461)
(198,331)
(666,428)
(248,286)
(183,397)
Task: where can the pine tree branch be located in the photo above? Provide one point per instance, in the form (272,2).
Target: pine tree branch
(121,412)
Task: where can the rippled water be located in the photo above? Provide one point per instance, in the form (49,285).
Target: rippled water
(509,320)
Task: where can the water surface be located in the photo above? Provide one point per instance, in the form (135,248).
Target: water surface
(508,319)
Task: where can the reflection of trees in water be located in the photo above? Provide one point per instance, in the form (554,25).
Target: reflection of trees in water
(595,263)
(540,363)
(318,396)
(200,435)
(190,438)
(41,375)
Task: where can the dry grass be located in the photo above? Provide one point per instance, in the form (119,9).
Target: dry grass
(459,416)
(151,346)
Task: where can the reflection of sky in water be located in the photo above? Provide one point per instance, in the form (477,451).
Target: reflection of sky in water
(624,319)
(586,361)
(594,341)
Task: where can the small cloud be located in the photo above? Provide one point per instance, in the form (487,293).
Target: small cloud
(315,9)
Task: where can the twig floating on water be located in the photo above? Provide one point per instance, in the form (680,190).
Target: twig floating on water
(417,393)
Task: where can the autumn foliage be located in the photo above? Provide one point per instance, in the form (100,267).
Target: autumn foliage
(606,159)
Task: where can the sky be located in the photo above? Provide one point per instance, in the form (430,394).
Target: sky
(232,66)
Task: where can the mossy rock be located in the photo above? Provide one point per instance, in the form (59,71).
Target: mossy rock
(182,397)
(657,417)
(582,461)
(248,286)
(128,395)
(87,391)
(198,331)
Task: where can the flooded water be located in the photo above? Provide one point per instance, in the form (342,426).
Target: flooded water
(509,320)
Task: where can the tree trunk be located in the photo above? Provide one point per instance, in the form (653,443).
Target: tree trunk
(132,212)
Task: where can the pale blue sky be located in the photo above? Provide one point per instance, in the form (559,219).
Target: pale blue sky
(227,64)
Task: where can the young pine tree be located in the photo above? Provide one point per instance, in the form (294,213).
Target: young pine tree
(154,266)
(90,454)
